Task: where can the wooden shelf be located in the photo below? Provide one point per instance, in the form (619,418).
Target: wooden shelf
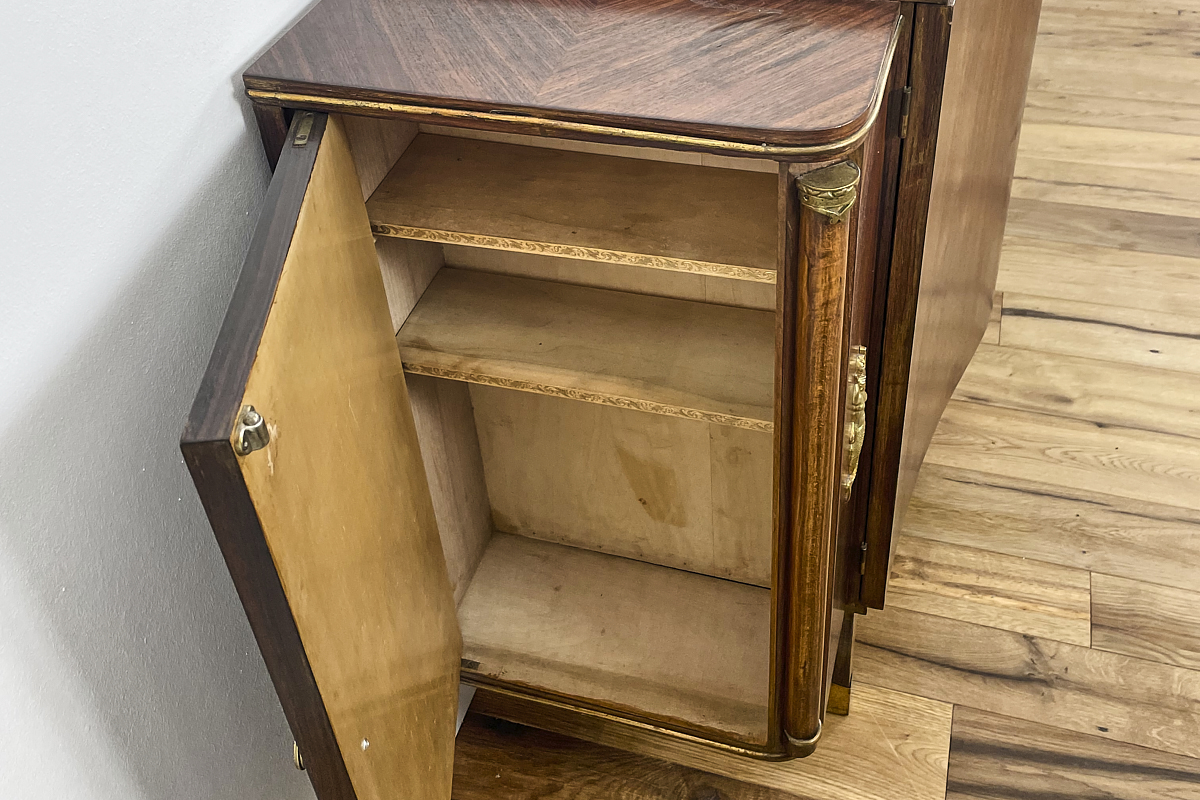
(652,214)
(675,357)
(658,640)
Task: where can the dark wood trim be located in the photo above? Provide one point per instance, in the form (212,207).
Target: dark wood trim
(785,383)
(273,128)
(886,185)
(210,458)
(820,353)
(931,42)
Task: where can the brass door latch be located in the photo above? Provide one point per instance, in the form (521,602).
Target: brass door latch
(856,413)
(250,433)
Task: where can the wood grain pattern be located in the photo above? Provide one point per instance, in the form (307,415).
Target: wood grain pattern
(1091,274)
(1059,524)
(683,493)
(1103,110)
(993,757)
(347,526)
(1108,168)
(652,354)
(977,148)
(927,69)
(787,71)
(1111,333)
(1130,75)
(1119,27)
(813,617)
(1104,392)
(1071,454)
(1064,685)
(1141,619)
(896,739)
(965,583)
(646,639)
(222,487)
(652,214)
(1125,230)
(495,758)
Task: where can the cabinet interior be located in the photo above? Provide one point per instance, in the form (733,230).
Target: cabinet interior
(588,333)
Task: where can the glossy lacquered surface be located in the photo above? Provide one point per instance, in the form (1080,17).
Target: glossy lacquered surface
(776,71)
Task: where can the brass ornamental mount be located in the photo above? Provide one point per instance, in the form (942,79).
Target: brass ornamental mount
(830,190)
(856,412)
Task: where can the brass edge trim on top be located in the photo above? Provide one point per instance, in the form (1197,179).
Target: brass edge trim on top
(586,396)
(573,251)
(777,152)
(486,683)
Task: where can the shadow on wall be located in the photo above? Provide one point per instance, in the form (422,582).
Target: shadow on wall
(109,546)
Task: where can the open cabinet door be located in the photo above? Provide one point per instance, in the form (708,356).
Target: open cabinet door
(319,499)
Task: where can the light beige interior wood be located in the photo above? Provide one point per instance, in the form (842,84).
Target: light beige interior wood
(683,493)
(652,214)
(621,277)
(663,356)
(666,488)
(622,150)
(655,640)
(343,501)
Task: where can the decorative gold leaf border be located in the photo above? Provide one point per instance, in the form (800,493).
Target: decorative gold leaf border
(571,251)
(586,396)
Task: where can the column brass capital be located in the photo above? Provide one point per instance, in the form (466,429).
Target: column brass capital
(830,190)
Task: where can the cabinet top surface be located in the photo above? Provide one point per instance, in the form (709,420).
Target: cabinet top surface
(788,72)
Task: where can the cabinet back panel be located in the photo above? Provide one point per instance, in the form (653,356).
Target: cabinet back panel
(688,494)
(657,642)
(619,277)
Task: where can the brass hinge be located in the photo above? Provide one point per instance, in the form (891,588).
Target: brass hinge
(905,105)
(862,565)
(303,129)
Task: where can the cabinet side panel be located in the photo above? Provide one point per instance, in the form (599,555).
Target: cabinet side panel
(987,63)
(987,69)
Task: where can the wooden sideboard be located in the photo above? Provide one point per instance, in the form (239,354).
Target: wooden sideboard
(586,352)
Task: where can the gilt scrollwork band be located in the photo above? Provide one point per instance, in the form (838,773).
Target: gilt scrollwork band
(573,251)
(830,190)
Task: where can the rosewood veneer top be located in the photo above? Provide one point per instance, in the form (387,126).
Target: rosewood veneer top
(779,72)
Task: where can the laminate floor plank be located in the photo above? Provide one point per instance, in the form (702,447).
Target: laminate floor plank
(1128,75)
(1089,26)
(897,743)
(993,757)
(1003,591)
(1159,623)
(1045,521)
(1097,109)
(1086,273)
(1109,333)
(1105,227)
(498,759)
(1104,392)
(1064,685)
(1113,148)
(1069,454)
(1088,184)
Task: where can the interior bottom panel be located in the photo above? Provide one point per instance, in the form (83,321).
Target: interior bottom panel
(656,640)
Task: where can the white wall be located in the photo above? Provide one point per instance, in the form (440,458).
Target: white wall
(130,174)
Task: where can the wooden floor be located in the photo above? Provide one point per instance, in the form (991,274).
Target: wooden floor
(1043,632)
